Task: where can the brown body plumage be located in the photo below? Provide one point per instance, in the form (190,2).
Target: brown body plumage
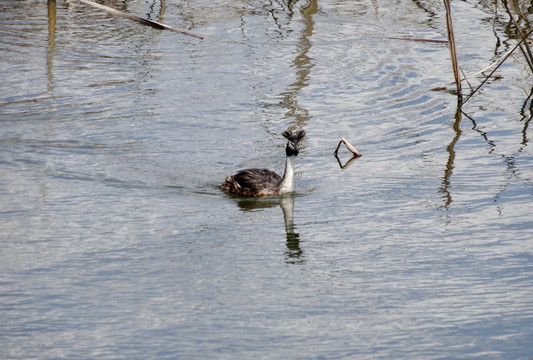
(264,182)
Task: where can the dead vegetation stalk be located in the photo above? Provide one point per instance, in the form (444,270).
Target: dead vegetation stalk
(453,49)
(141,20)
(349,146)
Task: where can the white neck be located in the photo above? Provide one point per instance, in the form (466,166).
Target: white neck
(287,183)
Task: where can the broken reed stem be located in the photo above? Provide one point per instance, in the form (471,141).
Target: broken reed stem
(348,146)
(453,48)
(527,53)
(466,79)
(496,68)
(141,20)
(477,73)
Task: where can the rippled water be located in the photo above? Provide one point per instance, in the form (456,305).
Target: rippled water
(117,242)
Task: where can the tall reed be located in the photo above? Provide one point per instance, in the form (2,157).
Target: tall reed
(453,49)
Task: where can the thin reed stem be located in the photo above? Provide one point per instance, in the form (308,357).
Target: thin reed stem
(453,49)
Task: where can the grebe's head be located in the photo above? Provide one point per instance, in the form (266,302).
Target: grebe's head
(293,143)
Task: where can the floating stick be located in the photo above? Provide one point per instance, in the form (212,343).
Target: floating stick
(348,146)
(151,23)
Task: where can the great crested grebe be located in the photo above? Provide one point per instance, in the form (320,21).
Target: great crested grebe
(263,182)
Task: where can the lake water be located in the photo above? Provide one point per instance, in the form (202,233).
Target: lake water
(116,242)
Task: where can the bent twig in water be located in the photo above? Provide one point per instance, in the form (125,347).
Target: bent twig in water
(348,146)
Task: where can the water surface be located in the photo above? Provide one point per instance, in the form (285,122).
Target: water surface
(114,137)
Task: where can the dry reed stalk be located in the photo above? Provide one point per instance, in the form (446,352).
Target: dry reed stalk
(348,146)
(453,49)
(151,23)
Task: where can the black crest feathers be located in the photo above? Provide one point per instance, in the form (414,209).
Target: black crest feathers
(294,137)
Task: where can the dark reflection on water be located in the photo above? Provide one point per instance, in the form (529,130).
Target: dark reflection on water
(294,252)
(347,163)
(286,202)
(302,65)
(448,171)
